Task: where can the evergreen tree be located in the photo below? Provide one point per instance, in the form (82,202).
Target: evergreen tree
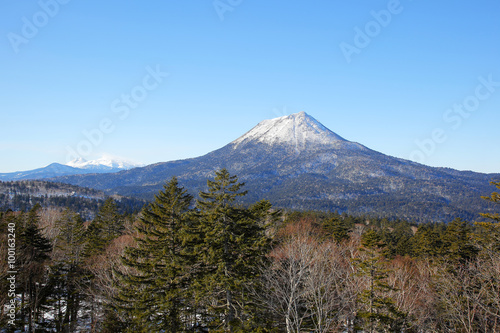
(68,277)
(337,228)
(156,294)
(32,256)
(427,241)
(490,231)
(378,312)
(397,235)
(232,244)
(106,226)
(457,241)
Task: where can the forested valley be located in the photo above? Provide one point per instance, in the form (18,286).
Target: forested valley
(211,265)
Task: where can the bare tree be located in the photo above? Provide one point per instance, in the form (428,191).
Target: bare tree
(411,280)
(103,287)
(286,279)
(309,283)
(460,293)
(329,290)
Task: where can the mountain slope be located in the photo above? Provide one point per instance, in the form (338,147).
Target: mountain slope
(75,167)
(297,163)
(51,170)
(105,163)
(25,194)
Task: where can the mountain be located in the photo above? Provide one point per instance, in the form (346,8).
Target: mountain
(104,164)
(298,163)
(78,166)
(51,170)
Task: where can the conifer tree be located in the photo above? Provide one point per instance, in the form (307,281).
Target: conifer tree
(490,236)
(232,244)
(457,241)
(33,254)
(106,226)
(427,241)
(68,276)
(378,312)
(156,293)
(337,228)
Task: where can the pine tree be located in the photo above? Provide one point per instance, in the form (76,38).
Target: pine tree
(32,256)
(457,241)
(378,312)
(231,246)
(337,228)
(156,294)
(68,275)
(490,236)
(427,241)
(106,226)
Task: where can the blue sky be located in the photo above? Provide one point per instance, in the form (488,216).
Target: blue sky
(164,80)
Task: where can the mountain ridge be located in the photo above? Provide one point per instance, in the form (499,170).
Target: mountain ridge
(314,170)
(105,164)
(298,128)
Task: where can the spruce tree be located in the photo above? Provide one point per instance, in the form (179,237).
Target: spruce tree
(490,236)
(427,241)
(232,243)
(68,276)
(32,256)
(106,226)
(337,228)
(378,312)
(457,241)
(155,295)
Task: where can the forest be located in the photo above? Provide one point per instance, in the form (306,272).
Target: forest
(212,265)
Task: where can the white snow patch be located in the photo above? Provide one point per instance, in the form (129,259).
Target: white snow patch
(104,162)
(298,129)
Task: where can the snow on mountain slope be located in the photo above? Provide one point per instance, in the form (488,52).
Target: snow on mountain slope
(299,164)
(106,162)
(298,129)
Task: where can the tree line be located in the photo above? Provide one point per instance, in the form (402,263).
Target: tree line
(212,265)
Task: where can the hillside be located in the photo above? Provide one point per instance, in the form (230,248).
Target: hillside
(299,164)
(23,195)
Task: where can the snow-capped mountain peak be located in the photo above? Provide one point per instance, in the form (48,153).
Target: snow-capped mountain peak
(106,162)
(298,129)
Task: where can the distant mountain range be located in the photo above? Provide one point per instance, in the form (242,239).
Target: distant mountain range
(78,166)
(298,163)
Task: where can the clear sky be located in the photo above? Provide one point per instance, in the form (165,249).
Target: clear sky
(154,81)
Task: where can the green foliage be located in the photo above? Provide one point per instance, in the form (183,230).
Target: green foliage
(337,228)
(427,242)
(457,241)
(489,232)
(32,253)
(196,268)
(68,277)
(398,239)
(379,312)
(106,226)
(232,242)
(155,295)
